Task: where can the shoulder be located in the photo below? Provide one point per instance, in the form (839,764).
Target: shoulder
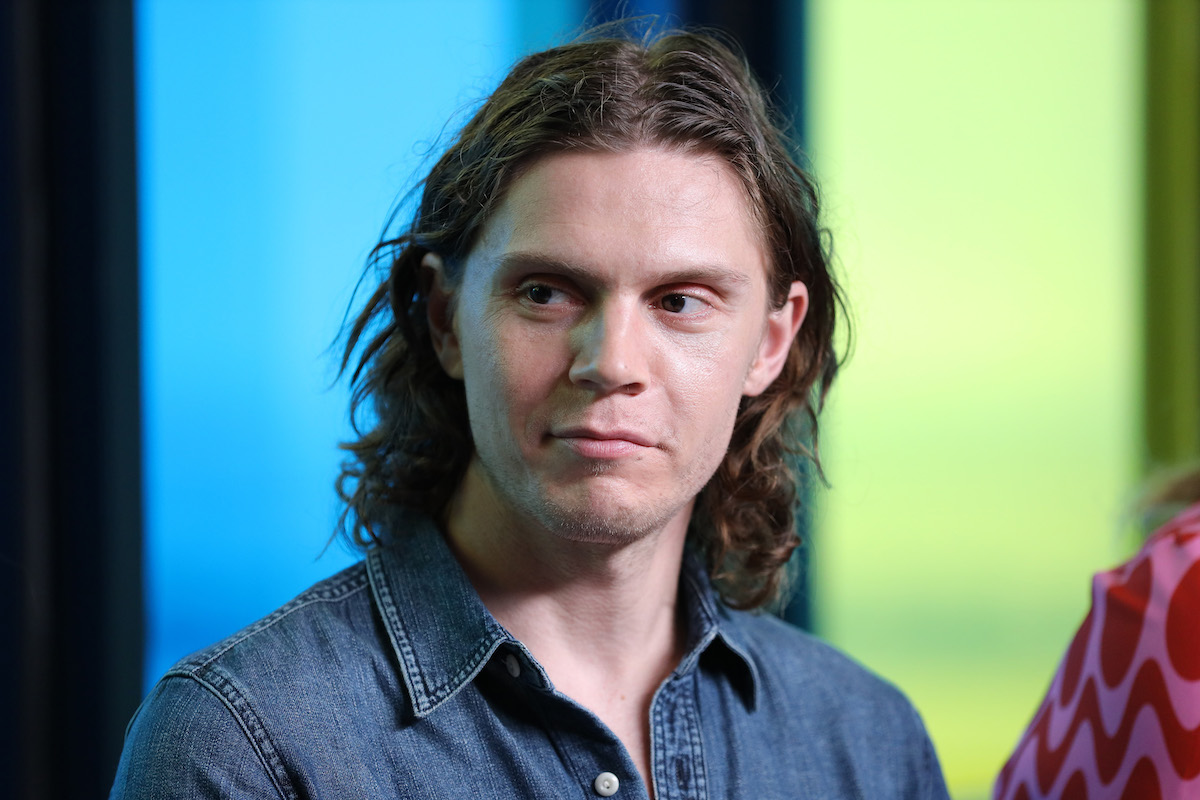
(187,741)
(304,634)
(792,661)
(226,714)
(302,662)
(861,735)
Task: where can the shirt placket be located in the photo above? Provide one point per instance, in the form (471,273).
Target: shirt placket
(678,750)
(590,753)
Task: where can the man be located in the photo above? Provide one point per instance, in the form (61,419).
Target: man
(579,369)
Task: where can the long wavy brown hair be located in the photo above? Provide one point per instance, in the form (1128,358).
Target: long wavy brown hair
(687,91)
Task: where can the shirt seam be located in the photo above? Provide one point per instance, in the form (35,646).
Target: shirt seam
(401,635)
(382,591)
(695,735)
(272,764)
(305,600)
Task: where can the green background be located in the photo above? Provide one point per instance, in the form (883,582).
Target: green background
(981,167)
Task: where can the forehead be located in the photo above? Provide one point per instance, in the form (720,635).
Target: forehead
(647,209)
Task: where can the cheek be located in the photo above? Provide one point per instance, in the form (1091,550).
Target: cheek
(484,375)
(508,374)
(708,375)
(721,360)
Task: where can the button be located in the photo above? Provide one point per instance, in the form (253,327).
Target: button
(514,667)
(606,784)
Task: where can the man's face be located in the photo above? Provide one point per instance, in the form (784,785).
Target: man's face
(608,321)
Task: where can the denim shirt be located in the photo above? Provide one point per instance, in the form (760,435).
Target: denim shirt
(391,679)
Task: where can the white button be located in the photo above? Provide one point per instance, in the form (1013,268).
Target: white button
(606,784)
(514,666)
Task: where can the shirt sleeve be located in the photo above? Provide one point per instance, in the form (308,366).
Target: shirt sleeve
(931,780)
(185,742)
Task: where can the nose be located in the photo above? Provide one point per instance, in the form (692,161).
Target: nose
(610,351)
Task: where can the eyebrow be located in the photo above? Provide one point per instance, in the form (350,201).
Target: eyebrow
(539,262)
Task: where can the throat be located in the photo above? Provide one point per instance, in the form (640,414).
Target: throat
(608,651)
(602,619)
(620,696)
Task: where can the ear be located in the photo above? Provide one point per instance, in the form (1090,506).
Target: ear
(782,326)
(440,313)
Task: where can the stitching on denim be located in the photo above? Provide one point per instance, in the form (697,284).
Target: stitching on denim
(377,576)
(472,668)
(430,695)
(704,600)
(683,728)
(658,756)
(350,584)
(695,738)
(250,727)
(708,621)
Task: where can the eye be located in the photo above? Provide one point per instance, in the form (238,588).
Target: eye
(677,303)
(542,295)
(539,294)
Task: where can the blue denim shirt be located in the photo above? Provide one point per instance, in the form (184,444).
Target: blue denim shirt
(391,679)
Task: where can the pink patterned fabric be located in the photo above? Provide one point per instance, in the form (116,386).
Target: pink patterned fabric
(1122,716)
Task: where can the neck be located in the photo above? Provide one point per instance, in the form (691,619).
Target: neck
(599,616)
(610,602)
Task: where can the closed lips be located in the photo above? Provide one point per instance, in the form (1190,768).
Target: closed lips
(614,435)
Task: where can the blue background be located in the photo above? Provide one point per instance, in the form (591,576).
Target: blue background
(274,138)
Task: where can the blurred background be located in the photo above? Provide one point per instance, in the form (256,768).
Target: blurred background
(191,190)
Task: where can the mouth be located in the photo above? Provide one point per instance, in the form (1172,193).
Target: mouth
(603,443)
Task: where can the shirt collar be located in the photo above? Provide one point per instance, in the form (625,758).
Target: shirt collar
(715,633)
(441,632)
(443,635)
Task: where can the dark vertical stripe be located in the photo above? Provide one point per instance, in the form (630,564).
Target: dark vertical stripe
(71,382)
(1171,302)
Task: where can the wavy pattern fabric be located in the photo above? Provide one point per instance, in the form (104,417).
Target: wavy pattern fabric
(1121,719)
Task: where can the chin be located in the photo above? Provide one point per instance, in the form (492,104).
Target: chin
(604,507)
(596,530)
(600,520)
